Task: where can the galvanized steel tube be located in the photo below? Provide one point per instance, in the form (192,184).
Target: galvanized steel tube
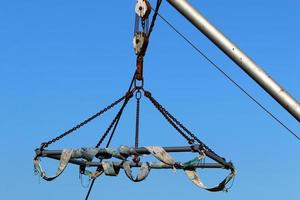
(238,56)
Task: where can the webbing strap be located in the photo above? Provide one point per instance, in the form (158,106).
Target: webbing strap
(110,169)
(64,160)
(113,169)
(144,171)
(163,156)
(85,153)
(194,177)
(121,153)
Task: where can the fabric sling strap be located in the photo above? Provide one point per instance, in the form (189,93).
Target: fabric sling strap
(144,171)
(110,169)
(64,160)
(122,153)
(194,177)
(163,156)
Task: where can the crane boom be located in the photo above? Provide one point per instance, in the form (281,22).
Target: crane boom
(238,56)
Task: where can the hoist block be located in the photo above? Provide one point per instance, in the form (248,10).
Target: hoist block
(143,8)
(140,41)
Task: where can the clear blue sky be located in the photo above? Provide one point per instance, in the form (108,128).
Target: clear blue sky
(61,61)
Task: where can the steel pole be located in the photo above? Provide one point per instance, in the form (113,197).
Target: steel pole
(154,165)
(238,56)
(142,150)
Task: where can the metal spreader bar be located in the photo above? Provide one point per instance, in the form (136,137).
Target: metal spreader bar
(102,153)
(133,164)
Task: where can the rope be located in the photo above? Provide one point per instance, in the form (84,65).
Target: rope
(114,123)
(137,118)
(230,79)
(158,3)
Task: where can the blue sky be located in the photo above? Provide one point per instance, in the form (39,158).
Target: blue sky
(61,61)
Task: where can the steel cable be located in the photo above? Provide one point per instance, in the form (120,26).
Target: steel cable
(229,78)
(115,124)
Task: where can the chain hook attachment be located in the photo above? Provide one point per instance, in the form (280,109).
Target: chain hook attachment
(138,94)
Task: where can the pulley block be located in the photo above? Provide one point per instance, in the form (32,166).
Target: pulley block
(143,8)
(140,41)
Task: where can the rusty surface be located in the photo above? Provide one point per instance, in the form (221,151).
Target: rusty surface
(148,10)
(139,68)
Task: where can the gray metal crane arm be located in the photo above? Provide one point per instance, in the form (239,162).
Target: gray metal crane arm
(238,56)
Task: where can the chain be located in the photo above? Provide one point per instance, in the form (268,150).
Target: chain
(161,110)
(138,96)
(117,117)
(113,124)
(175,123)
(181,125)
(143,25)
(46,144)
(152,25)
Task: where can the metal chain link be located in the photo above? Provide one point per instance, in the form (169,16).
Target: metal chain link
(181,125)
(143,25)
(46,144)
(117,117)
(137,119)
(159,108)
(113,124)
(187,131)
(175,122)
